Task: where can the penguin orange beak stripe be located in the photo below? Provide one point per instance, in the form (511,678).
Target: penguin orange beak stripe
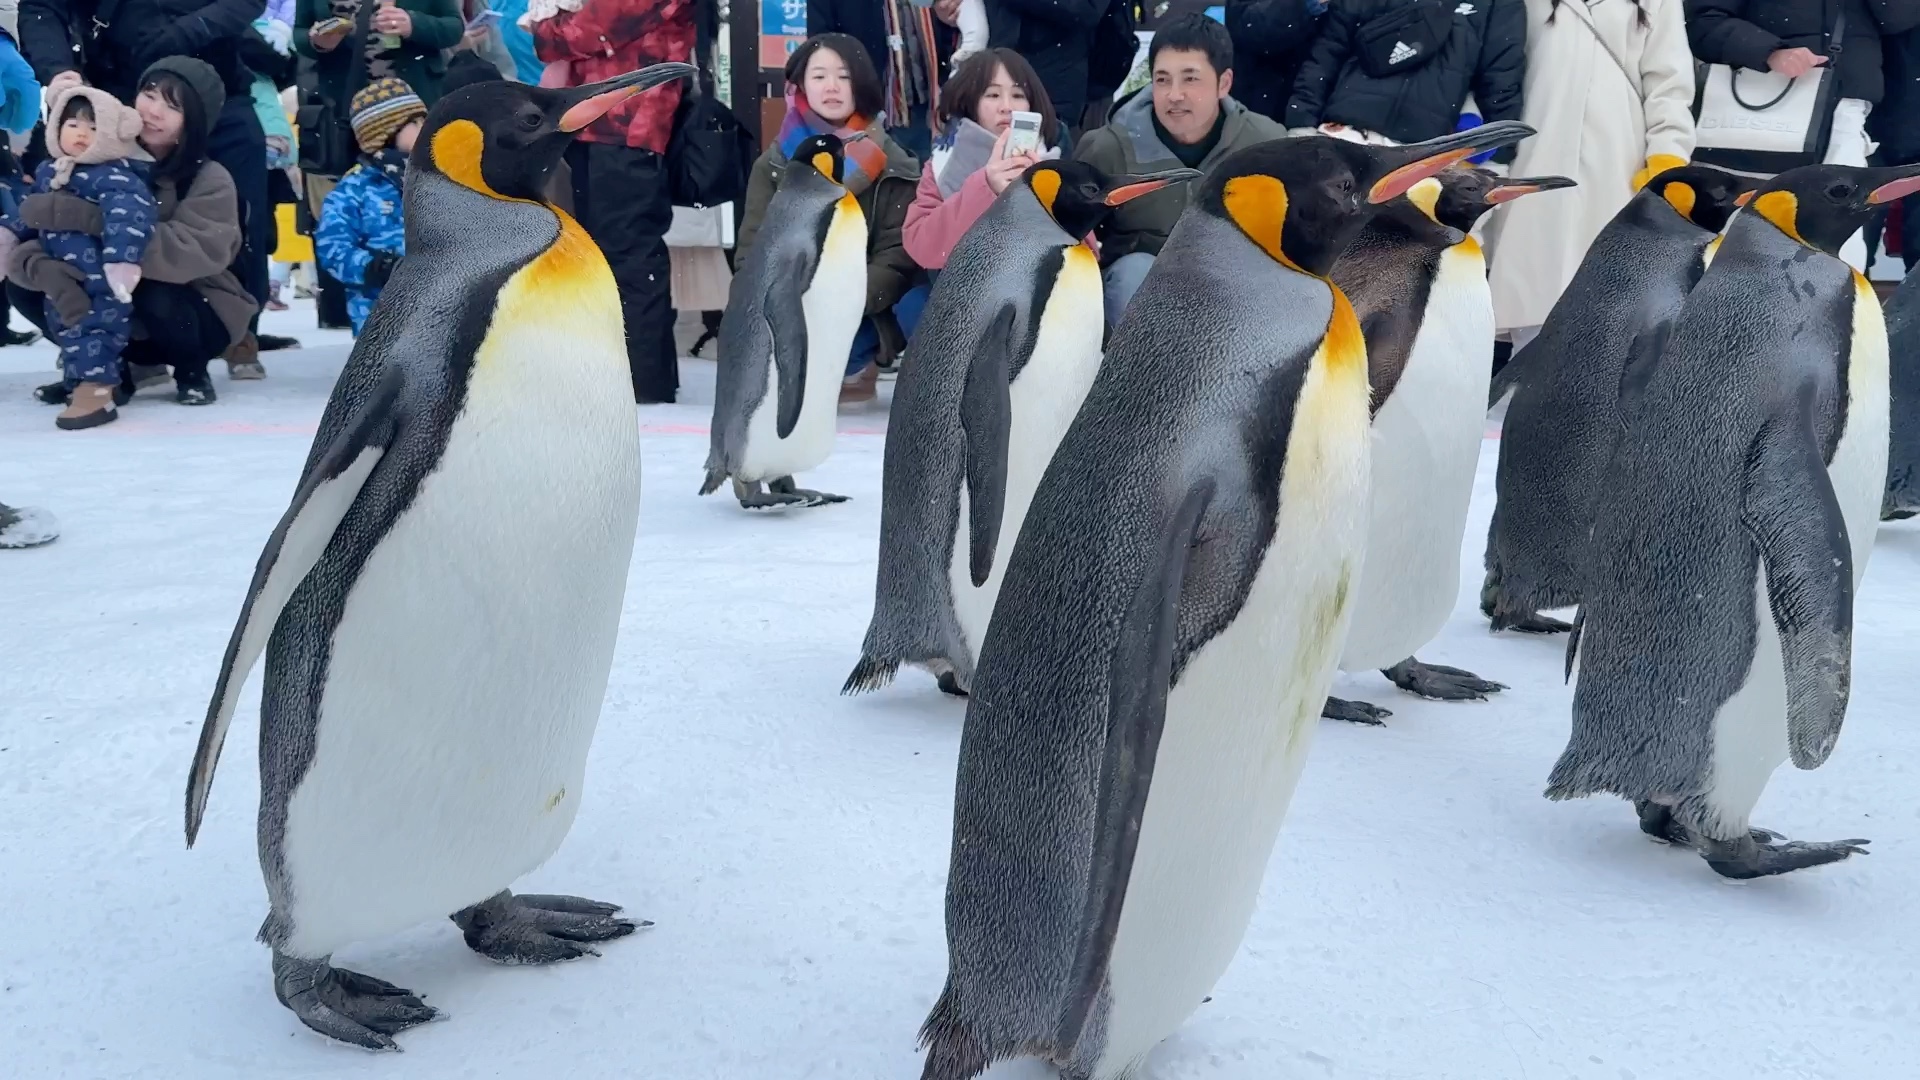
(1141,185)
(1432,156)
(1895,191)
(593,101)
(1513,189)
(1746,197)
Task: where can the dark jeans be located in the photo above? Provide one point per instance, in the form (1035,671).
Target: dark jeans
(620,196)
(173,325)
(915,137)
(240,146)
(866,340)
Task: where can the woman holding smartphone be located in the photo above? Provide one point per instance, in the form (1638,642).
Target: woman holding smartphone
(972,162)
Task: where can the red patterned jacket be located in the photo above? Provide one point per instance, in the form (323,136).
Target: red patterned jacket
(611,37)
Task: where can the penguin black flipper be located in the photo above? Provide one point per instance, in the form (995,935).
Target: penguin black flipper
(786,322)
(1140,678)
(986,420)
(1643,353)
(326,493)
(1794,517)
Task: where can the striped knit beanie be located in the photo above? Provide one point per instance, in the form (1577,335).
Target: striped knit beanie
(381,108)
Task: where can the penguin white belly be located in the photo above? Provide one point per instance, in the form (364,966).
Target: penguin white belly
(1426,450)
(472,654)
(1045,397)
(1239,722)
(835,302)
(1750,730)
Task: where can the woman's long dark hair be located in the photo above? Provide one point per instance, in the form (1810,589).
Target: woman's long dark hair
(869,96)
(961,96)
(183,164)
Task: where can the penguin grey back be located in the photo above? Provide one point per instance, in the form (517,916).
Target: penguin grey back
(1139,547)
(977,332)
(1723,461)
(1903,356)
(432,317)
(763,332)
(1565,417)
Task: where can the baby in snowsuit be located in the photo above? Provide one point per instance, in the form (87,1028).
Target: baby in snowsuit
(94,155)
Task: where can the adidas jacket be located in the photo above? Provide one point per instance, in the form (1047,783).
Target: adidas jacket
(1485,53)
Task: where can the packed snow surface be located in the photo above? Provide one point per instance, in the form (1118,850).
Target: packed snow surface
(1427,915)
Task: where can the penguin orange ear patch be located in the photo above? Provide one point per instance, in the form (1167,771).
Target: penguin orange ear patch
(1258,204)
(1781,208)
(456,151)
(1681,197)
(1046,186)
(824,162)
(1426,196)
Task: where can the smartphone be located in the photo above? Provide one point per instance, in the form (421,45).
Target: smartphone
(328,26)
(487,17)
(1023,137)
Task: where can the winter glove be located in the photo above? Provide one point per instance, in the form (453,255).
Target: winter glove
(380,268)
(1656,165)
(122,278)
(19,90)
(57,211)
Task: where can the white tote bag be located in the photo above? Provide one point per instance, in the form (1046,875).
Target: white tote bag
(1760,122)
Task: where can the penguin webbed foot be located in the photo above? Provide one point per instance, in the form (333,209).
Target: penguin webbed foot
(346,1005)
(1354,712)
(1530,623)
(784,486)
(1658,822)
(779,492)
(1748,858)
(1439,682)
(540,929)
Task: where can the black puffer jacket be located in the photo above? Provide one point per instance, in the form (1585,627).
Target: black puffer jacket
(56,36)
(1271,39)
(1895,122)
(1056,37)
(1743,32)
(1485,53)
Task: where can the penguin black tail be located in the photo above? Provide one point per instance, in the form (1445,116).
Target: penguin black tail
(715,477)
(870,674)
(953,1051)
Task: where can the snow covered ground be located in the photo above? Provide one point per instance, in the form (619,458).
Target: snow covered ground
(1427,915)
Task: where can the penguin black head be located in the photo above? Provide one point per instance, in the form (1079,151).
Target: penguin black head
(503,139)
(1456,197)
(1821,206)
(1302,200)
(1703,195)
(825,154)
(1079,196)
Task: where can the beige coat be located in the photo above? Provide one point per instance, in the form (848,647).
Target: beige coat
(1595,127)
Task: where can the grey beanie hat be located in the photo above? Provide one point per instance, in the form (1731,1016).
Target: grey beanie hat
(200,76)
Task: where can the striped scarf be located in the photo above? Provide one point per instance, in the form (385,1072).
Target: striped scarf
(865,158)
(913,71)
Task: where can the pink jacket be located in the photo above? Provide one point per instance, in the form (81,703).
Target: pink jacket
(935,224)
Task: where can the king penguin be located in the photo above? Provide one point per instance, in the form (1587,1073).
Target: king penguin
(1732,529)
(1418,283)
(1564,419)
(795,306)
(438,605)
(1171,617)
(1903,348)
(1004,355)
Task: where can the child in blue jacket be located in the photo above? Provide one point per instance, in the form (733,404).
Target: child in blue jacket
(93,153)
(362,232)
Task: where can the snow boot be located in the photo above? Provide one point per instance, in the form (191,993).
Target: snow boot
(243,361)
(194,388)
(861,388)
(89,406)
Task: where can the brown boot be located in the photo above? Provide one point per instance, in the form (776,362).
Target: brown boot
(855,389)
(243,360)
(90,405)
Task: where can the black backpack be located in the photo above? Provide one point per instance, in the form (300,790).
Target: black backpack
(710,154)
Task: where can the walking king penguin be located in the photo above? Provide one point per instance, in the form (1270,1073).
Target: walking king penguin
(1418,283)
(1174,607)
(1903,349)
(439,604)
(1564,418)
(1008,345)
(1732,528)
(795,306)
